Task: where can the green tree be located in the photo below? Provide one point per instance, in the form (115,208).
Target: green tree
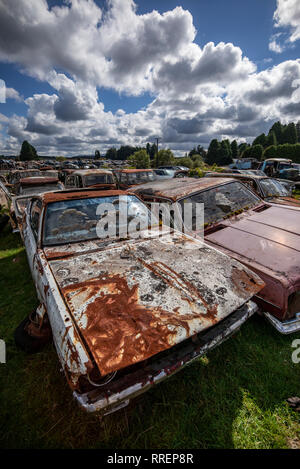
(111,154)
(261,140)
(28,152)
(224,154)
(278,131)
(242,147)
(234,149)
(270,152)
(256,151)
(213,152)
(290,134)
(163,158)
(97,155)
(140,159)
(186,161)
(151,150)
(271,139)
(125,151)
(298,131)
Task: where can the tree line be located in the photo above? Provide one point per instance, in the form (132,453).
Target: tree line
(282,141)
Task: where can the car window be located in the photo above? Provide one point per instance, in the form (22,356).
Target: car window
(70,181)
(223,201)
(35,213)
(93,179)
(271,188)
(140,177)
(76,220)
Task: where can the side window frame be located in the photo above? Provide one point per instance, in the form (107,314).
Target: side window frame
(35,230)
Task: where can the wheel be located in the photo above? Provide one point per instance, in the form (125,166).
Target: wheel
(29,337)
(3,221)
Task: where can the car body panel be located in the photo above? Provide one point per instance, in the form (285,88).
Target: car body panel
(266,238)
(155,287)
(115,304)
(255,183)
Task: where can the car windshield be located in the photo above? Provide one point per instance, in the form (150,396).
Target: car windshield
(79,220)
(34,190)
(285,166)
(140,177)
(272,188)
(223,201)
(93,179)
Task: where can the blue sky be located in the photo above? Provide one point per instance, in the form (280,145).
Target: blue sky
(85,98)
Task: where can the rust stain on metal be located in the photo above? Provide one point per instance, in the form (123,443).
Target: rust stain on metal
(79,194)
(170,276)
(243,282)
(38,181)
(175,189)
(119,329)
(57,254)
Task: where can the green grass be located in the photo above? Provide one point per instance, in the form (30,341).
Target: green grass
(296,193)
(233,398)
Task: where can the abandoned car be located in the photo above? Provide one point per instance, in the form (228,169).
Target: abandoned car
(263,236)
(132,177)
(96,178)
(20,194)
(269,189)
(125,313)
(280,167)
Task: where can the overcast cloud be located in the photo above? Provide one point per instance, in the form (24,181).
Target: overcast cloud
(198,93)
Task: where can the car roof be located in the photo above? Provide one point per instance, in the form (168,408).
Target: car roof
(240,176)
(279,159)
(38,181)
(85,172)
(58,196)
(177,188)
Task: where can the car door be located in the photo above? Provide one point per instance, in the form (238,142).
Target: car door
(31,241)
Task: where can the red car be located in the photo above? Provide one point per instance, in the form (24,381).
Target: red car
(263,236)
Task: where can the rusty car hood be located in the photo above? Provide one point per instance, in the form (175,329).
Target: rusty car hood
(133,301)
(270,239)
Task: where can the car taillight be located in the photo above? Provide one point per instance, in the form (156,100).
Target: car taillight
(294,303)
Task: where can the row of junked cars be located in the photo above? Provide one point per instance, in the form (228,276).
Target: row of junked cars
(126,312)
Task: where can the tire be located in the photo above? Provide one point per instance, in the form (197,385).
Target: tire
(27,342)
(3,221)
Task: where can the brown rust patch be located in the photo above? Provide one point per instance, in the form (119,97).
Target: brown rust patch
(244,282)
(58,196)
(38,181)
(57,254)
(120,331)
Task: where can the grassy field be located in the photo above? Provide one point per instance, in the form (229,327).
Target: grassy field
(233,398)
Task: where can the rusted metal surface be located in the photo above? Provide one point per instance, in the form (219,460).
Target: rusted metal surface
(73,195)
(112,304)
(281,200)
(175,189)
(265,238)
(86,172)
(38,181)
(131,303)
(110,398)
